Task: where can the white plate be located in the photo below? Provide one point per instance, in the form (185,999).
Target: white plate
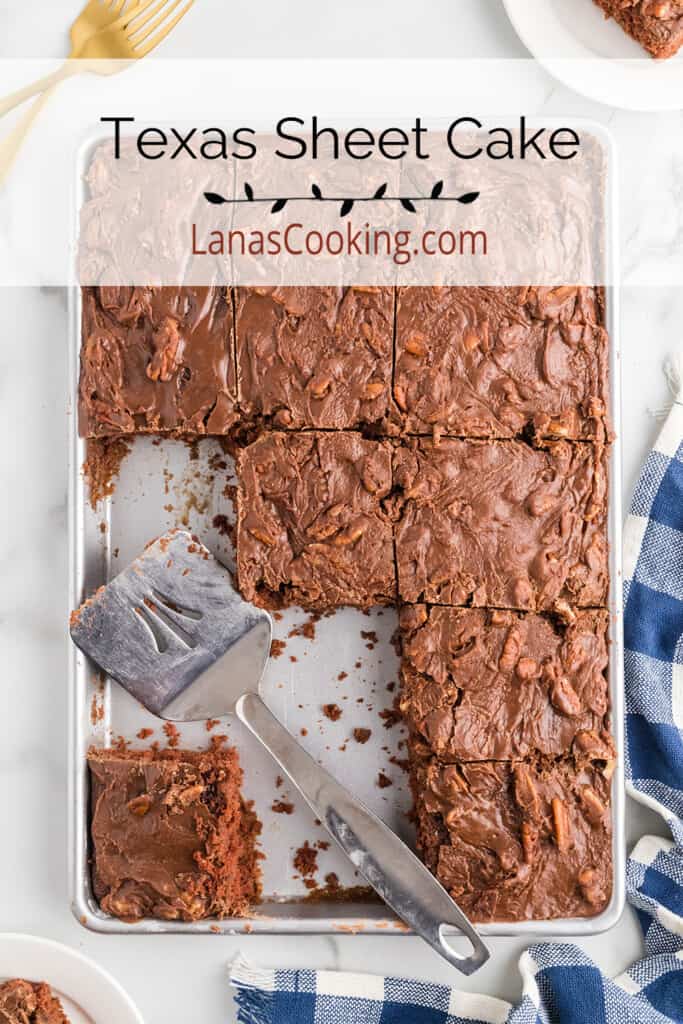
(88,994)
(592,55)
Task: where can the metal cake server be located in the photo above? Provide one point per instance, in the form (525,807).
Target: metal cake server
(173,630)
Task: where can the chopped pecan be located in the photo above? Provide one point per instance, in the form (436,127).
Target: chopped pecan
(527,669)
(400,397)
(168,351)
(590,886)
(179,797)
(128,907)
(262,536)
(565,698)
(525,792)
(283,418)
(510,653)
(594,807)
(596,407)
(540,502)
(560,823)
(140,805)
(589,742)
(564,611)
(350,536)
(370,482)
(319,386)
(415,345)
(373,389)
(558,429)
(560,294)
(322,530)
(529,840)
(594,511)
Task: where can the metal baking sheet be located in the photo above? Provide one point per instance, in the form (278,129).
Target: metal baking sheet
(350,661)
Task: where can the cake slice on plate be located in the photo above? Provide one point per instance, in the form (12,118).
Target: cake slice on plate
(30,1002)
(656,24)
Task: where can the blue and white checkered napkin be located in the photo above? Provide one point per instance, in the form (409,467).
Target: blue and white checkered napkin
(561,984)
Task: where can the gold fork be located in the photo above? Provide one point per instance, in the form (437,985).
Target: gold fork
(122,35)
(96,15)
(128,36)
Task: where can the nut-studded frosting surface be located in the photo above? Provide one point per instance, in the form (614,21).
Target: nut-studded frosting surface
(481,685)
(502,524)
(29,1002)
(172,838)
(314,357)
(656,24)
(493,362)
(482,512)
(312,529)
(518,841)
(156,360)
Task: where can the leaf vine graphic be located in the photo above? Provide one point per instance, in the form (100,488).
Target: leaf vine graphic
(346,203)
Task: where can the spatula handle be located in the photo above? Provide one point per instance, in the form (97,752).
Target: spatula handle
(383,859)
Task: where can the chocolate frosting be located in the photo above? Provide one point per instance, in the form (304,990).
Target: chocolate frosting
(494,362)
(27,1002)
(171,838)
(498,685)
(156,360)
(502,524)
(518,841)
(312,529)
(315,357)
(496,546)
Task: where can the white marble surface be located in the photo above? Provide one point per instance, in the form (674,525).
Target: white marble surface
(180,979)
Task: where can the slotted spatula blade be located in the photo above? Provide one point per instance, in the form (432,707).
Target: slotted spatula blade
(172,616)
(172,629)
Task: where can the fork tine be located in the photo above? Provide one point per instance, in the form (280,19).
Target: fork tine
(150,26)
(164,31)
(137,7)
(138,22)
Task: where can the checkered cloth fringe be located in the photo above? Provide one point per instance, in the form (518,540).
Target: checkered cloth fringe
(561,984)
